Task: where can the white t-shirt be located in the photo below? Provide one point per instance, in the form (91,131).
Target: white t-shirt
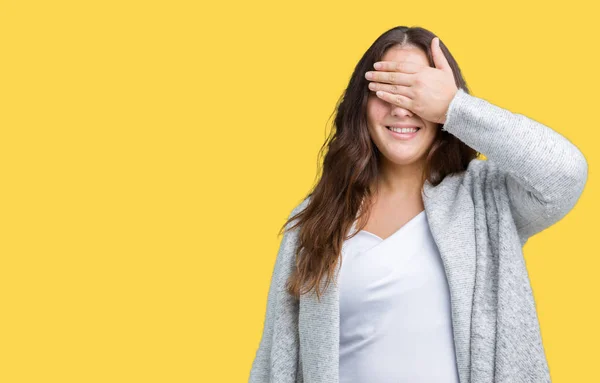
(395,318)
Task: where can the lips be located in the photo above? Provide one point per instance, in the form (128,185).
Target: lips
(403,136)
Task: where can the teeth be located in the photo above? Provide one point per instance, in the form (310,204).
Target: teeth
(402,130)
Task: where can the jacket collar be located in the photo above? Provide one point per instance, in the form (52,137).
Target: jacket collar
(451,221)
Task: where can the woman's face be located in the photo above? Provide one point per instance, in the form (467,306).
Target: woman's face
(399,149)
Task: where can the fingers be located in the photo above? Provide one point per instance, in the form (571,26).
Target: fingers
(439,58)
(396,99)
(392,81)
(406,79)
(398,66)
(392,88)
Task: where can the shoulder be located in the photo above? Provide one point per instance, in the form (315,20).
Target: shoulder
(480,177)
(480,173)
(299,207)
(477,173)
(290,235)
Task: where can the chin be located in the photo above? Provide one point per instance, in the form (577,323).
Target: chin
(404,161)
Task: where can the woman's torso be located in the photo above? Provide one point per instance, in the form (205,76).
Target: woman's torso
(395,318)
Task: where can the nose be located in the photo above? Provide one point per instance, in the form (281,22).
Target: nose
(398,111)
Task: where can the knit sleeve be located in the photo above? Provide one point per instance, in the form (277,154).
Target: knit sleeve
(543,172)
(278,351)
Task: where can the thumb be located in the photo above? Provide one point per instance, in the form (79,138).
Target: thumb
(438,56)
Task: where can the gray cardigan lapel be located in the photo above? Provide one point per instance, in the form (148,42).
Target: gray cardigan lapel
(319,321)
(453,230)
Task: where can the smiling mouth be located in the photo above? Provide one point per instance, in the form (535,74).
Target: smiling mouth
(405,132)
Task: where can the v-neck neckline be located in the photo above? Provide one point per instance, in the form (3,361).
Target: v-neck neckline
(409,222)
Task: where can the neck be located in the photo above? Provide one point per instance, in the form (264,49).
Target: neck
(401,181)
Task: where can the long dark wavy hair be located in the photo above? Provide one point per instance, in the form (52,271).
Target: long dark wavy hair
(351,165)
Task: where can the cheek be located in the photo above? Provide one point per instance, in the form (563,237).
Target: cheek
(376,111)
(431,134)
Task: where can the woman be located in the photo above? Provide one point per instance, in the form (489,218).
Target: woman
(422,239)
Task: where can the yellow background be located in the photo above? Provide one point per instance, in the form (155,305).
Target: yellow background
(150,152)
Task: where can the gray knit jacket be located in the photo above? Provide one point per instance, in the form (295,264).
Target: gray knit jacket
(480,219)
